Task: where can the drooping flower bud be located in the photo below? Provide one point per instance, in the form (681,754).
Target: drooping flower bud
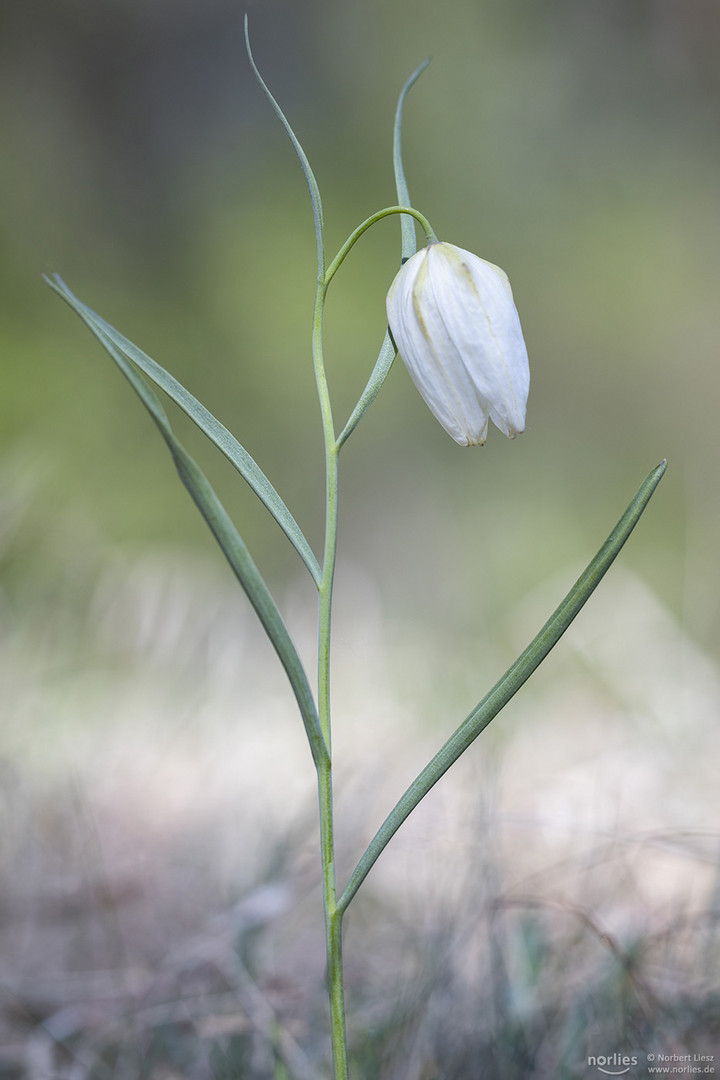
(455,324)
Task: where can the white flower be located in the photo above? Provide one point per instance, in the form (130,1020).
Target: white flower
(455,324)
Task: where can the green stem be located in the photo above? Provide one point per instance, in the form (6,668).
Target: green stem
(333,915)
(333,925)
(333,918)
(354,236)
(331,510)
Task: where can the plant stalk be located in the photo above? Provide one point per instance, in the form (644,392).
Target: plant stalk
(333,917)
(333,926)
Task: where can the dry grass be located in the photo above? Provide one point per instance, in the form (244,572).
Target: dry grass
(557,896)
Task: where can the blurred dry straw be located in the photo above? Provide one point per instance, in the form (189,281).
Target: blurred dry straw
(158,912)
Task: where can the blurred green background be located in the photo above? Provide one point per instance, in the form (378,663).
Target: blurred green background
(573,144)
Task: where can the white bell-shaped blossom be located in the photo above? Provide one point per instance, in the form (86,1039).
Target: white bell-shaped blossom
(456,326)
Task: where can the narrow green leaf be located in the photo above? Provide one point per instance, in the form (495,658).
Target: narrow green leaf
(388,352)
(252,581)
(508,685)
(230,542)
(302,157)
(379,373)
(407,224)
(208,424)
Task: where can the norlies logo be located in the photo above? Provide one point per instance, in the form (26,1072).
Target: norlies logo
(613,1064)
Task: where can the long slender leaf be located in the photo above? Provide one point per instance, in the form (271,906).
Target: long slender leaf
(388,352)
(302,156)
(409,245)
(508,685)
(230,542)
(379,373)
(208,424)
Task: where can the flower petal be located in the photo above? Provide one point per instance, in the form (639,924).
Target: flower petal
(455,323)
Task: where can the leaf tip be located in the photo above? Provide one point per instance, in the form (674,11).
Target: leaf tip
(246,29)
(658,472)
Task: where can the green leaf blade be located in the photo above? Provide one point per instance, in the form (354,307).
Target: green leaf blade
(388,352)
(247,573)
(302,156)
(506,687)
(215,431)
(407,225)
(379,373)
(230,542)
